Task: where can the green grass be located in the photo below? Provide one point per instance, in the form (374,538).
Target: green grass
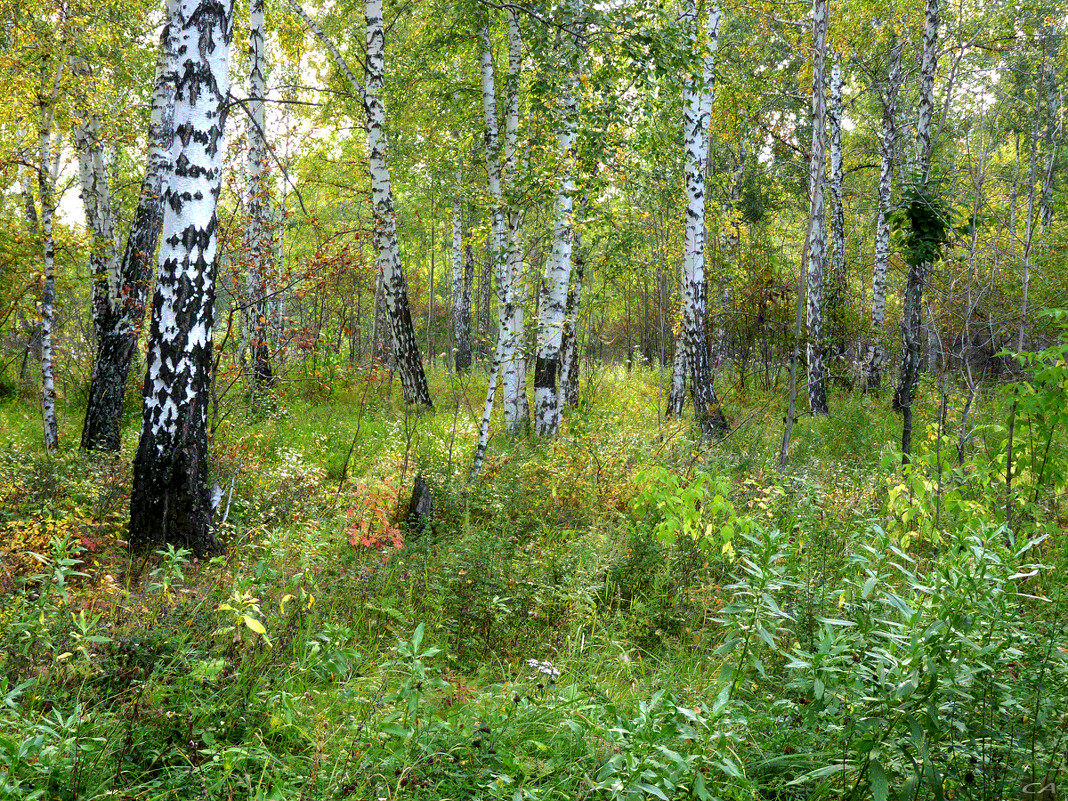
(842,630)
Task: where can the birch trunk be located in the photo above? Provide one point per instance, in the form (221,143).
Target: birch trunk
(912,307)
(877,352)
(516,408)
(394,286)
(836,273)
(507,279)
(169,500)
(258,235)
(677,392)
(816,239)
(96,203)
(1053,136)
(552,305)
(697,117)
(569,359)
(46,188)
(117,337)
(463,270)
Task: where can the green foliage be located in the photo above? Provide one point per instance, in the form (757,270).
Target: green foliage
(923,221)
(1039,456)
(585,622)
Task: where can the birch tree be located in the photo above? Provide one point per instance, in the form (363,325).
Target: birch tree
(816,240)
(463,272)
(876,351)
(46,180)
(169,499)
(119,300)
(508,362)
(836,262)
(557,279)
(258,238)
(391,280)
(697,118)
(912,307)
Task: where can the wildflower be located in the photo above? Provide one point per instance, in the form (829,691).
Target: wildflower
(544,667)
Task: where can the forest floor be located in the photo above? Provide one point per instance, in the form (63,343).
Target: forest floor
(622,612)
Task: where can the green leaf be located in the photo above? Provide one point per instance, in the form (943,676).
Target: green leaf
(880,787)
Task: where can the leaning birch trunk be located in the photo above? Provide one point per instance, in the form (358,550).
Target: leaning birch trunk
(552,306)
(912,306)
(117,339)
(816,240)
(169,499)
(836,273)
(697,117)
(45,185)
(394,287)
(877,352)
(258,236)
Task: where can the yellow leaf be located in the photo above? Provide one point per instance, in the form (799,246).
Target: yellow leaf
(254,624)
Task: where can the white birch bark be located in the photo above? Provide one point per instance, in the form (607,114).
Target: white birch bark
(877,351)
(677,391)
(507,281)
(552,304)
(170,501)
(516,409)
(391,278)
(394,285)
(816,239)
(912,306)
(834,323)
(96,203)
(697,118)
(462,275)
(46,188)
(258,234)
(569,359)
(1054,137)
(117,342)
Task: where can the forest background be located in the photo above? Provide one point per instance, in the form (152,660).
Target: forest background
(840,577)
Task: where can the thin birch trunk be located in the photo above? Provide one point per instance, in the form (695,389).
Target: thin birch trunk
(462,275)
(836,272)
(122,320)
(46,189)
(394,286)
(676,401)
(258,234)
(510,363)
(516,406)
(169,500)
(569,356)
(816,239)
(1054,138)
(697,118)
(912,306)
(552,306)
(877,351)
